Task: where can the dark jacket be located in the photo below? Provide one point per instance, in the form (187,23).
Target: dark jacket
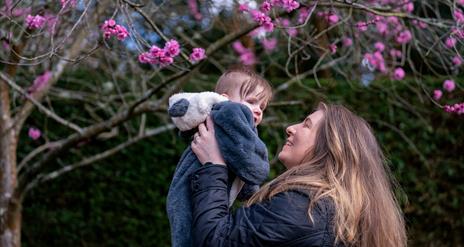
(281,221)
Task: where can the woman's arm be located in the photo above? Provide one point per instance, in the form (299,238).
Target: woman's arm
(283,219)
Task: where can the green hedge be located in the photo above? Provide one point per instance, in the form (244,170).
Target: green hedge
(121,201)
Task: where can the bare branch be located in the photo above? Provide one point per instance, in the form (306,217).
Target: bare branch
(41,108)
(42,178)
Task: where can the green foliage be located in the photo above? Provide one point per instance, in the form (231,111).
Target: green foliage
(121,201)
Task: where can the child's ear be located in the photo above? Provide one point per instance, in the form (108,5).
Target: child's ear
(225,95)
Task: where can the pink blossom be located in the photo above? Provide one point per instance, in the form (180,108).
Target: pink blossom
(437,93)
(238,47)
(449,85)
(457,60)
(268,26)
(35,22)
(9,11)
(192,4)
(40,82)
(361,26)
(269,44)
(266,6)
(398,74)
(408,7)
(404,37)
(198,54)
(292,32)
(395,53)
(393,20)
(379,46)
(381,27)
(290,5)
(458,32)
(377,61)
(461,2)
(66,3)
(155,51)
(347,42)
(458,16)
(263,20)
(423,25)
(34,133)
(450,42)
(5,45)
(146,58)
(165,60)
(332,19)
(284,22)
(110,28)
(243,7)
(161,57)
(457,108)
(260,17)
(303,15)
(333,48)
(248,58)
(420,24)
(172,48)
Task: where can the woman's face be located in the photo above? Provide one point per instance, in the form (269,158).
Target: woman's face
(301,138)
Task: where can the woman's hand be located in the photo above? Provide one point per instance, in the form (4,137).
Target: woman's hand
(205,145)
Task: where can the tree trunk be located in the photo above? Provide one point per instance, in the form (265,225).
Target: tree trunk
(10,205)
(11,234)
(322,41)
(10,202)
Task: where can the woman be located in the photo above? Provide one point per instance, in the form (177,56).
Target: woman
(336,191)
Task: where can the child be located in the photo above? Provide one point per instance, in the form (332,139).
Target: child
(235,124)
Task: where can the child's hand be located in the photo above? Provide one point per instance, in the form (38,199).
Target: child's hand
(205,145)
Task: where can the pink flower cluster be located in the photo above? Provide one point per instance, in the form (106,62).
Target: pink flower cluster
(404,37)
(197,54)
(376,60)
(263,20)
(261,16)
(303,15)
(162,57)
(110,28)
(448,85)
(165,56)
(39,82)
(247,57)
(457,108)
(35,22)
(34,133)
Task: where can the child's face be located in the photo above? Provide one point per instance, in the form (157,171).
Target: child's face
(252,102)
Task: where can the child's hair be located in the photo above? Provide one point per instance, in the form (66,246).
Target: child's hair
(245,79)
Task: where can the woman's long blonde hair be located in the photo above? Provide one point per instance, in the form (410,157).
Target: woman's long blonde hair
(347,165)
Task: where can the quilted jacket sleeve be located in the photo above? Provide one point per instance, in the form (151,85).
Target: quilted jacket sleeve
(281,220)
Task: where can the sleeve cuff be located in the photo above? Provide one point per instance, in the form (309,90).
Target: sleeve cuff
(209,176)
